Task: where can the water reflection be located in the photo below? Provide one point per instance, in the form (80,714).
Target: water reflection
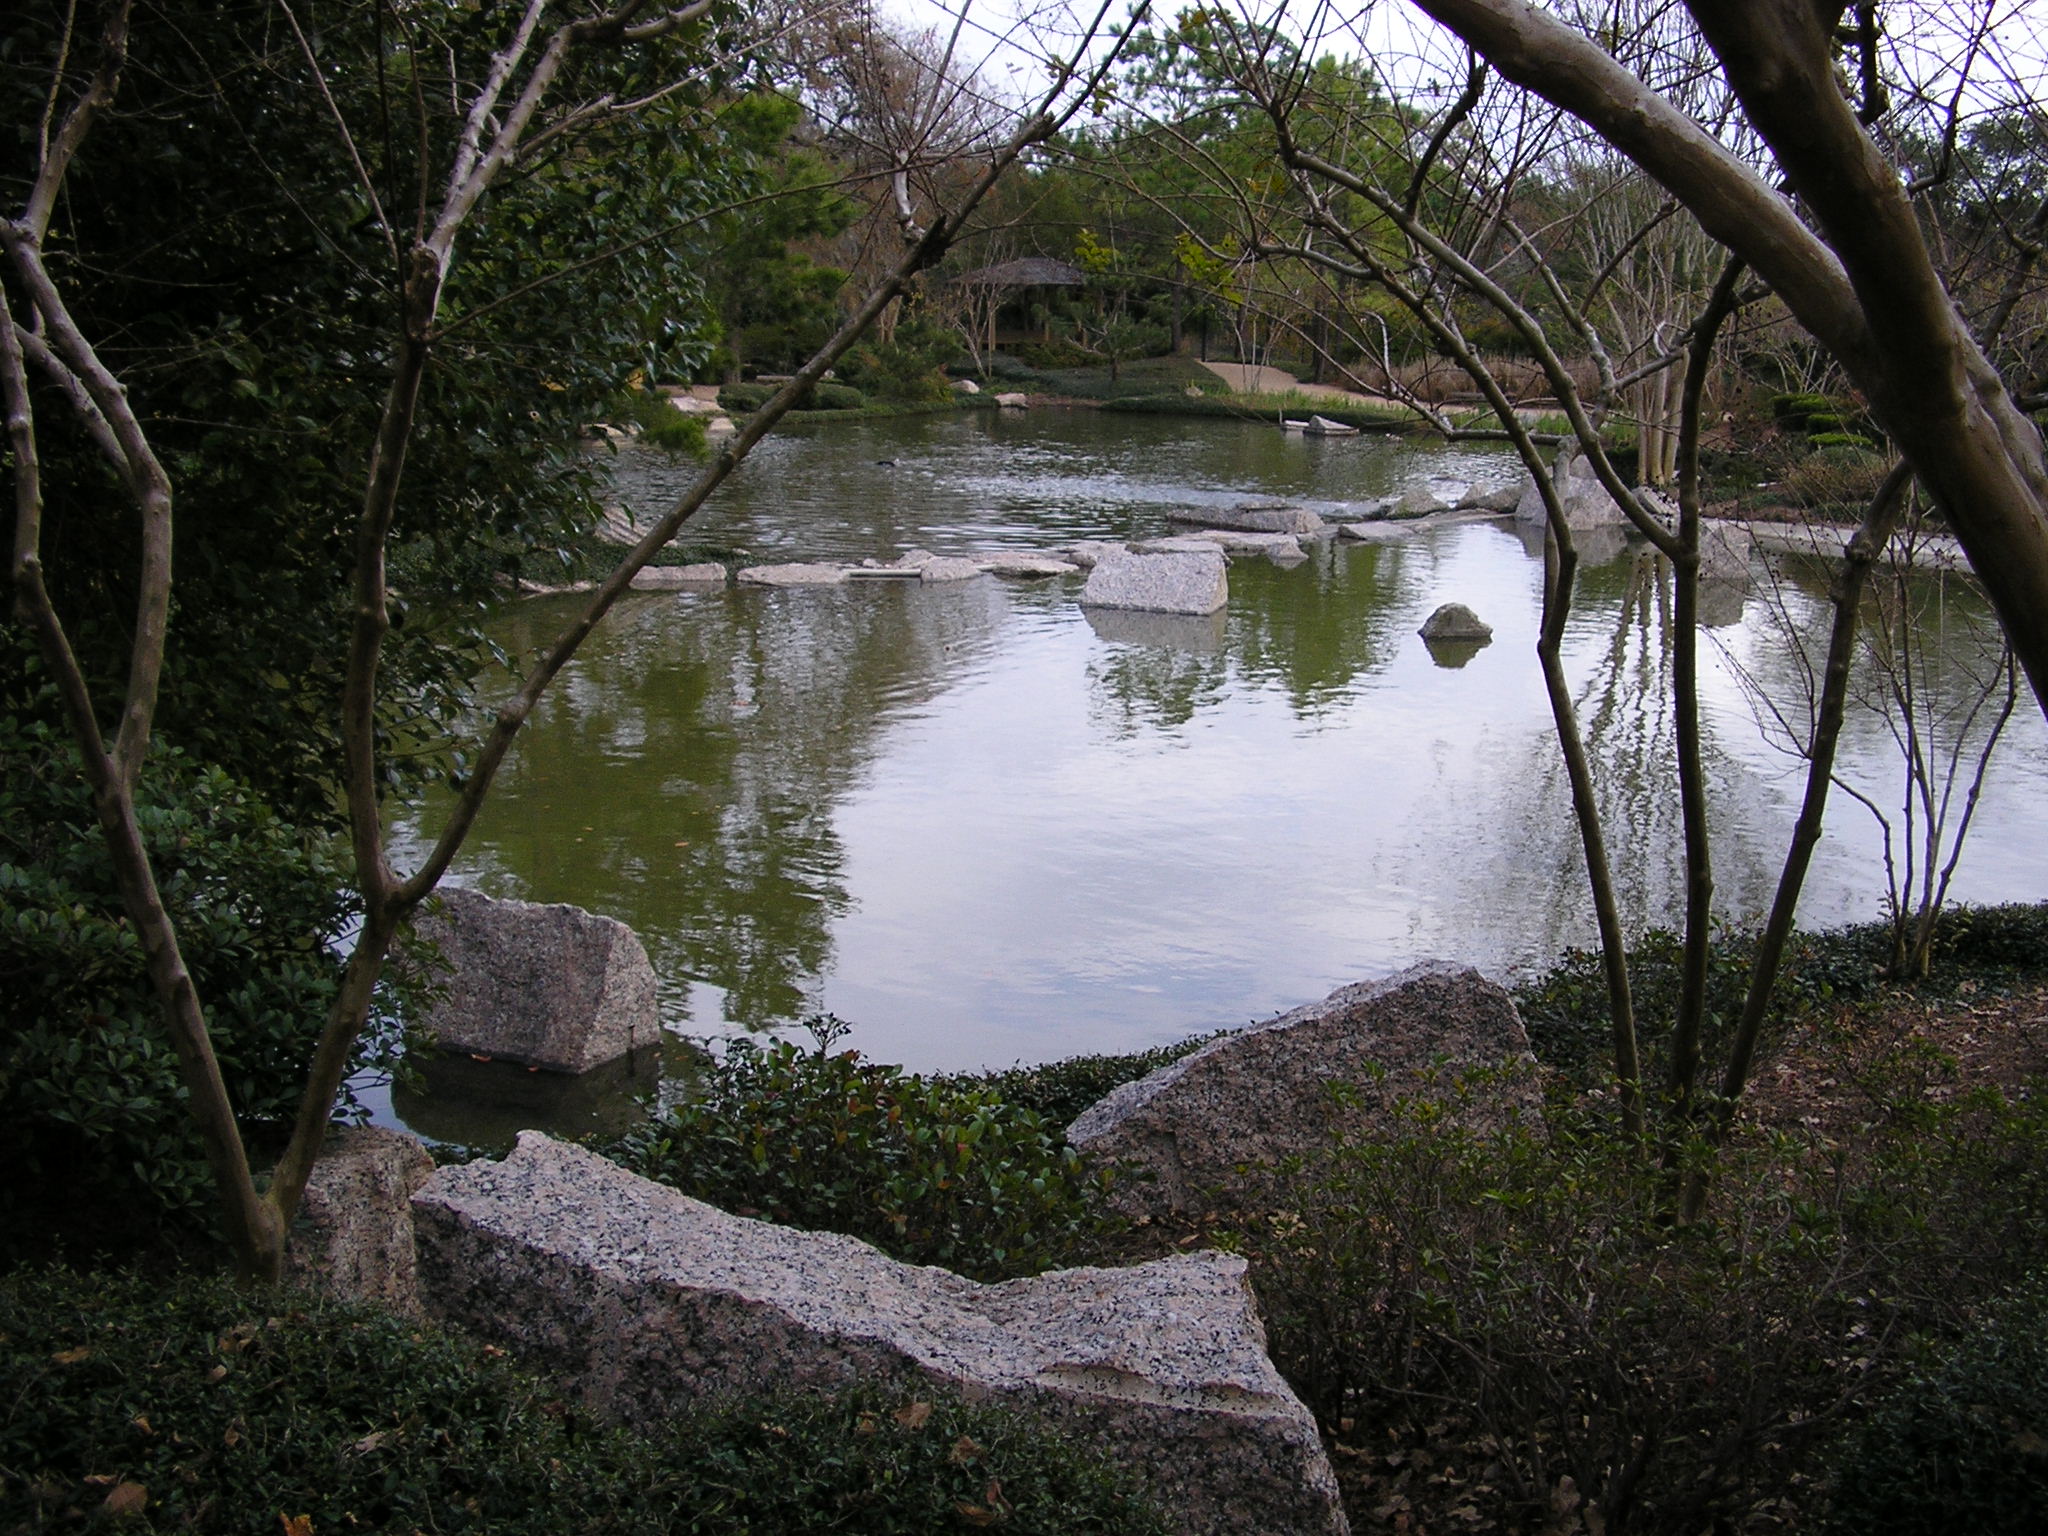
(985,826)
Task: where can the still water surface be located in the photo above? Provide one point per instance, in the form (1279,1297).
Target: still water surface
(984,826)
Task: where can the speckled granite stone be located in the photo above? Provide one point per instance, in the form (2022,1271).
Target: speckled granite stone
(1252,517)
(643,1299)
(1212,1130)
(1190,581)
(352,1237)
(547,986)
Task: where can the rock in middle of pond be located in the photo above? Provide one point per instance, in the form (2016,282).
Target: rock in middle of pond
(1232,1126)
(1177,581)
(1454,621)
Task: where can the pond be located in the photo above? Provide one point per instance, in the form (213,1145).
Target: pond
(983,826)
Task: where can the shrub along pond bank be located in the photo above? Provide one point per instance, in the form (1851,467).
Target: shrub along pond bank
(1498,1331)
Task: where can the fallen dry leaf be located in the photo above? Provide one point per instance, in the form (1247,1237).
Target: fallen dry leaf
(126,1501)
(70,1356)
(295,1525)
(913,1415)
(975,1514)
(964,1450)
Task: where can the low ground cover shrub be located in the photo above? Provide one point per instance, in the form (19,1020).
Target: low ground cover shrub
(745,397)
(1057,1091)
(1962,1444)
(188,1405)
(930,1170)
(1510,1323)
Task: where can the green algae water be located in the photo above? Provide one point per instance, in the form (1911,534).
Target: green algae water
(985,826)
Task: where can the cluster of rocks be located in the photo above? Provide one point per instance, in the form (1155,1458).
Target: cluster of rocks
(640,1299)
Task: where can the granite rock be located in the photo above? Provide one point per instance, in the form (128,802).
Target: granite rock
(792,574)
(547,986)
(1015,400)
(1252,517)
(1088,553)
(1425,501)
(352,1238)
(1217,1129)
(938,569)
(1584,499)
(1028,567)
(1181,582)
(1178,544)
(1454,621)
(676,578)
(642,1300)
(1234,541)
(1501,498)
(966,387)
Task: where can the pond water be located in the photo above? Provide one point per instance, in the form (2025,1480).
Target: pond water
(984,826)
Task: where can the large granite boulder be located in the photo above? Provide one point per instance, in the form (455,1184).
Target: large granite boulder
(1426,501)
(1182,581)
(1230,1126)
(352,1237)
(1253,517)
(1584,499)
(547,986)
(643,1300)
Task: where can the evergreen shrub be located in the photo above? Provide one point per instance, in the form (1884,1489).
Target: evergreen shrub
(95,1134)
(929,1170)
(155,1405)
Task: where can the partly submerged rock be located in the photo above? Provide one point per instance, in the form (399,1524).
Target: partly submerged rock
(1088,553)
(549,986)
(1231,1126)
(1233,541)
(1027,567)
(1454,621)
(947,569)
(677,578)
(1500,498)
(792,574)
(644,1300)
(1252,517)
(1425,501)
(1187,581)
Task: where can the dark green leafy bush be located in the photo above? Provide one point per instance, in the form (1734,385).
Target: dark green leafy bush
(1057,354)
(206,1408)
(1058,1091)
(660,424)
(829,396)
(929,1170)
(1963,1444)
(94,1130)
(745,397)
(1850,440)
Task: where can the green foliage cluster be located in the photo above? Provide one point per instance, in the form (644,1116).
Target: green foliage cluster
(1791,411)
(94,1132)
(659,424)
(830,396)
(932,1171)
(1056,354)
(1513,1302)
(909,367)
(214,240)
(1963,1444)
(745,397)
(1057,1091)
(192,1406)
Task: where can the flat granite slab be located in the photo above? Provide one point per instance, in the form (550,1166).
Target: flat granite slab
(645,1299)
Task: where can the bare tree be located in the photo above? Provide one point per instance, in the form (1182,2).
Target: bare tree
(512,111)
(1860,277)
